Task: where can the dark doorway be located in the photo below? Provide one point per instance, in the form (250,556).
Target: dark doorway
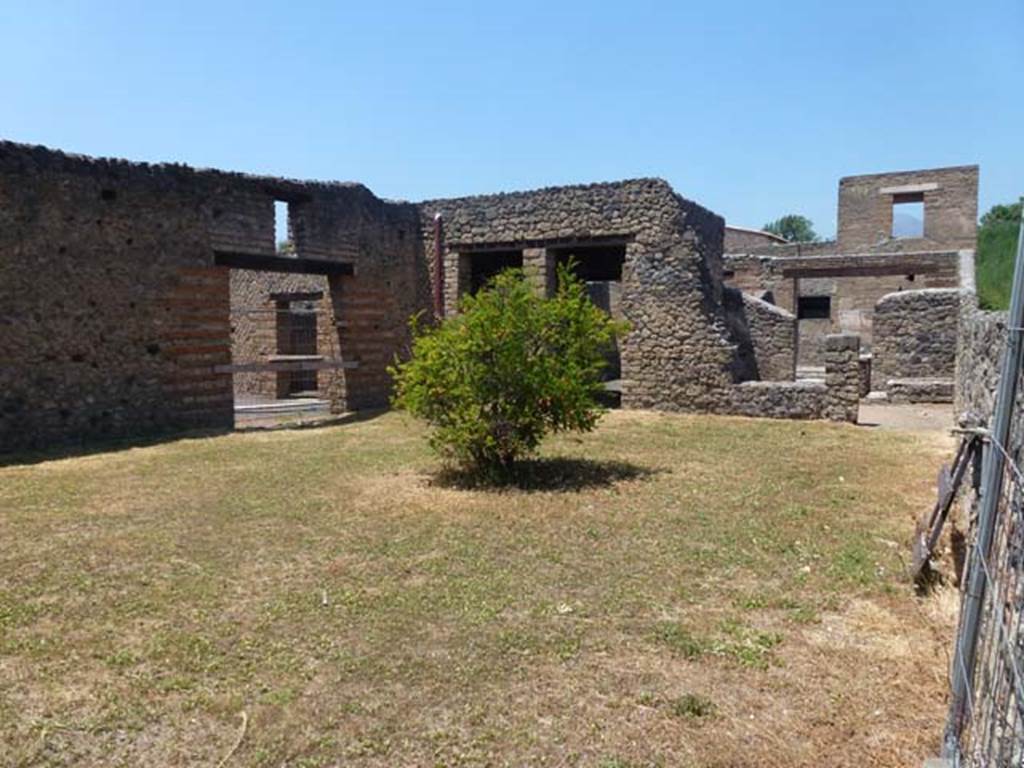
(600,267)
(485,265)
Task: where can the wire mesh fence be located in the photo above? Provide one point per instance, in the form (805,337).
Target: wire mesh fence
(987,721)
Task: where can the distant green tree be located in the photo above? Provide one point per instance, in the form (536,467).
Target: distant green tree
(794,228)
(286,247)
(999,213)
(997,249)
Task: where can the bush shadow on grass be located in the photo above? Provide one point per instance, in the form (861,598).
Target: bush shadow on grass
(547,474)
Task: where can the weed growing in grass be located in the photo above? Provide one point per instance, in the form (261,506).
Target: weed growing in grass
(854,564)
(749,647)
(681,641)
(694,706)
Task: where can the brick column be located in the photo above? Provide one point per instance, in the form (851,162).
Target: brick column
(842,376)
(539,267)
(365,308)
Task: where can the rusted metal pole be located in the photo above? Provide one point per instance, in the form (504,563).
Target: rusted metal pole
(438,267)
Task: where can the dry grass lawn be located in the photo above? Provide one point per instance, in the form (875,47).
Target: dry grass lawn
(707,592)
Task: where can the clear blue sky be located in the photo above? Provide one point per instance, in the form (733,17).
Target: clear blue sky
(753,109)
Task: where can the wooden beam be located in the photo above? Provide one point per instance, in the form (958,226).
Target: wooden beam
(285,365)
(289,264)
(297,296)
(863,271)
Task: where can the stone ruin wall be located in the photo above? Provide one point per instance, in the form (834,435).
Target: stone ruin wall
(255,329)
(116,313)
(915,336)
(853,296)
(687,351)
(865,211)
(678,354)
(743,240)
(950,197)
(837,398)
(767,335)
(979,349)
(113,313)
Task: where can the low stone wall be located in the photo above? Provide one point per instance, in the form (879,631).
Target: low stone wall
(915,335)
(780,399)
(835,399)
(920,390)
(766,335)
(773,337)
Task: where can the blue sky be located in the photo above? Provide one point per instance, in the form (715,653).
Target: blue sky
(754,109)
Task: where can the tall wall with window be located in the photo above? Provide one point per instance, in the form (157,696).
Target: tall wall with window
(871,208)
(115,290)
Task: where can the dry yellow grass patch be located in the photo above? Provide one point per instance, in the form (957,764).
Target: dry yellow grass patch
(670,590)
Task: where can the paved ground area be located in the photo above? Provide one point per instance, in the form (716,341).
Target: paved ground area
(254,411)
(931,417)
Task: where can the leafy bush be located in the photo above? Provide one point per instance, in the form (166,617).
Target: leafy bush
(513,366)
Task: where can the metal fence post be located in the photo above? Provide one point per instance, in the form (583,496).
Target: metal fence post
(989,492)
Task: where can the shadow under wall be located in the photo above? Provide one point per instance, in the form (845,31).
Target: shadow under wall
(744,366)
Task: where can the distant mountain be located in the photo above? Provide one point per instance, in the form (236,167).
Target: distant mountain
(907,225)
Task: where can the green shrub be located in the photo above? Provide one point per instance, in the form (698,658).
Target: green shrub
(511,367)
(997,249)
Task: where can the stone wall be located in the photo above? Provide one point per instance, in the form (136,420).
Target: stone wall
(866,261)
(679,354)
(915,336)
(114,313)
(256,328)
(116,309)
(768,333)
(980,346)
(692,343)
(853,284)
(837,398)
(743,240)
(950,197)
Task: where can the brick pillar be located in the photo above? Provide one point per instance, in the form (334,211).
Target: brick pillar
(842,376)
(539,267)
(456,280)
(193,337)
(365,309)
(330,330)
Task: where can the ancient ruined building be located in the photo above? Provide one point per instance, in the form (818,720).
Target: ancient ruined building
(891,277)
(139,299)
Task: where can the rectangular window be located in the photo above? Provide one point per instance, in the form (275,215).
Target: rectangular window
(281,237)
(814,308)
(908,215)
(594,263)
